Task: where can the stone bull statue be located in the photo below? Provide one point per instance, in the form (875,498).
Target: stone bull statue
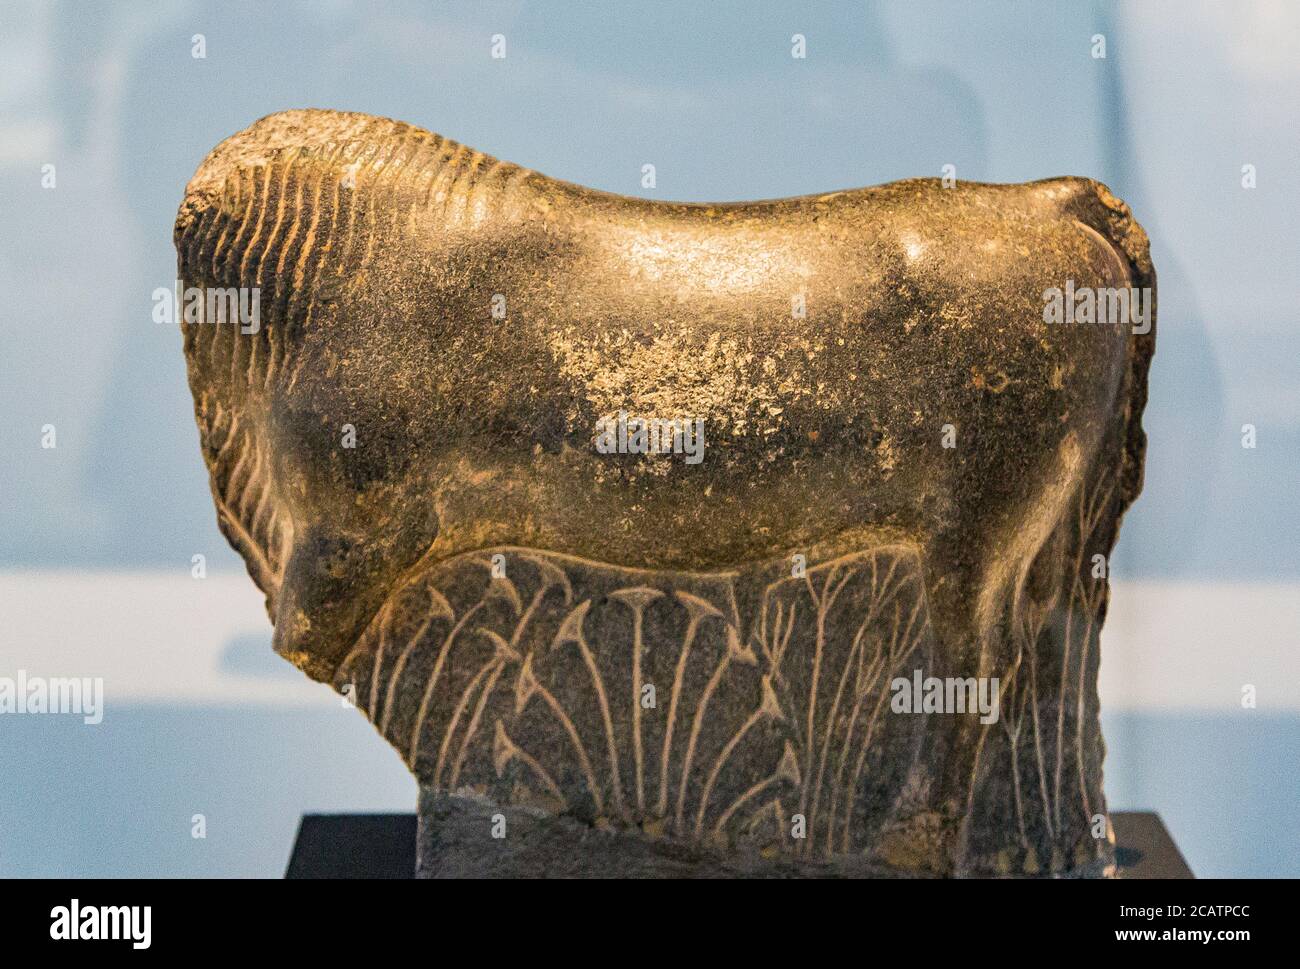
(664,538)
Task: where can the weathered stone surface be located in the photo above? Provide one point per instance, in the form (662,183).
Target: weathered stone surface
(909,470)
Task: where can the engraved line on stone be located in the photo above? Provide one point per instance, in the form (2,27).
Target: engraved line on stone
(881,665)
(787,770)
(385,615)
(249,486)
(895,662)
(1028,631)
(289,308)
(198,233)
(439,608)
(502,588)
(509,652)
(526,688)
(446,151)
(570,631)
(729,652)
(204,231)
(418,166)
(774,807)
(259,203)
(315,256)
(262,571)
(553,577)
(881,595)
(505,656)
(261,485)
(367,181)
(227,247)
(228,210)
(828,734)
(231,485)
(268,249)
(359,648)
(417,204)
(823,603)
(698,610)
(462,704)
(1119,259)
(1066,648)
(422,714)
(486,190)
(1012,721)
(864,681)
(768,707)
(413,157)
(343,268)
(637,599)
(478,190)
(261,521)
(382,186)
(459,193)
(1066,643)
(504,750)
(231,269)
(447,178)
(514,180)
(1048,818)
(301,178)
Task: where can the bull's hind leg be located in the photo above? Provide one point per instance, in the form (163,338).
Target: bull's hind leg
(1036,804)
(1020,793)
(978,573)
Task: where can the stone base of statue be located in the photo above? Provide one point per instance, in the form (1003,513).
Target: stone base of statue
(448,842)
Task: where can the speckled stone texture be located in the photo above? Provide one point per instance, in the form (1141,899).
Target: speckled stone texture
(909,471)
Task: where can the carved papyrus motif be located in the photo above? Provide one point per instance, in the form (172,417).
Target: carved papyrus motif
(655,700)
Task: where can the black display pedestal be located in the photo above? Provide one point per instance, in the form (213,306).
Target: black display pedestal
(383,846)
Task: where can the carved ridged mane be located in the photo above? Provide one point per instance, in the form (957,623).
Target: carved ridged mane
(294,204)
(244,493)
(291,207)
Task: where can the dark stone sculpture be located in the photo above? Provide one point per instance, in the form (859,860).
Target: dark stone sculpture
(847,623)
